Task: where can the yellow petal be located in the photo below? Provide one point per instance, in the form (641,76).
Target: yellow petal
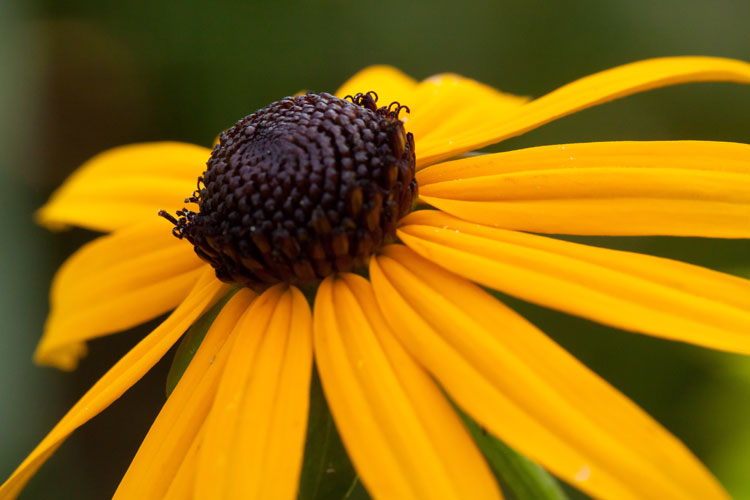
(168,441)
(113,283)
(445,105)
(126,185)
(527,390)
(255,433)
(645,294)
(691,155)
(632,188)
(401,434)
(119,378)
(626,216)
(182,485)
(440,106)
(586,92)
(387,82)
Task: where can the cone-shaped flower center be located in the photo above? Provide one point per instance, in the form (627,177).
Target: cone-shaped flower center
(305,187)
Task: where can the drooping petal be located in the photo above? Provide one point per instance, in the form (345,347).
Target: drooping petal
(402,435)
(445,105)
(182,485)
(527,390)
(126,185)
(119,378)
(688,188)
(113,283)
(387,82)
(167,443)
(255,432)
(645,294)
(580,94)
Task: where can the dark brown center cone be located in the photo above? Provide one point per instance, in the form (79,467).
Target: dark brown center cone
(300,189)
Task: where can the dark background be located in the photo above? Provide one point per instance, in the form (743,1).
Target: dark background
(77,77)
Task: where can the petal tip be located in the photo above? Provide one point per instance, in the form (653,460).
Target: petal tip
(42,217)
(65,358)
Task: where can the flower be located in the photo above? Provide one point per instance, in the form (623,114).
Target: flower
(387,347)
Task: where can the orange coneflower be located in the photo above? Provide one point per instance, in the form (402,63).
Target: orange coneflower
(315,196)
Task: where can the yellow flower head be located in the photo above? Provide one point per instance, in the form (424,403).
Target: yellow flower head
(313,192)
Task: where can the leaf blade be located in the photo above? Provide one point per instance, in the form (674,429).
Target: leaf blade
(327,472)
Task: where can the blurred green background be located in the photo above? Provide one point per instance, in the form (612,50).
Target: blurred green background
(80,76)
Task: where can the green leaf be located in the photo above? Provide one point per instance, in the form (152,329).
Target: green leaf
(522,478)
(191,341)
(327,473)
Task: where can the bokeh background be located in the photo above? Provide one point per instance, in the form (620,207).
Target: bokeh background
(80,76)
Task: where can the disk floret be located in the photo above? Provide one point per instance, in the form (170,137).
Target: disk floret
(305,187)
